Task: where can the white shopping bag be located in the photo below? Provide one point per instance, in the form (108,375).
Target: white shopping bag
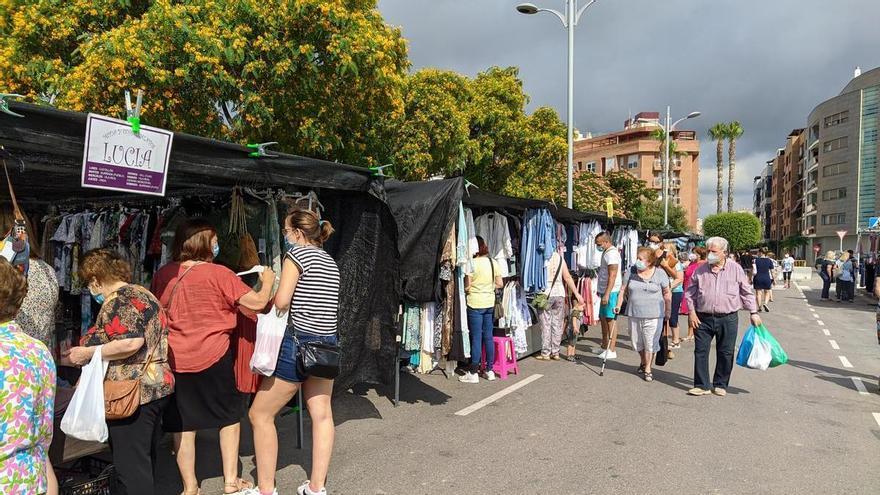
(761,355)
(84,418)
(270,333)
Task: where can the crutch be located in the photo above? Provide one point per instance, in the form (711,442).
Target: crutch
(610,340)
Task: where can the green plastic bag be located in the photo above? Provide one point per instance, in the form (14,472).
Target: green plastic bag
(779,355)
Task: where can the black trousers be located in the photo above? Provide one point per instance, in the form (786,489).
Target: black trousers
(135,442)
(826,284)
(723,329)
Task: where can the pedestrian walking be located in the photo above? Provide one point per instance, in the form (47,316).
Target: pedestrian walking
(27,386)
(309,293)
(480,289)
(553,317)
(787,269)
(747,262)
(133,333)
(774,274)
(202,300)
(826,273)
(608,286)
(846,280)
(648,298)
(674,269)
(698,257)
(763,279)
(718,290)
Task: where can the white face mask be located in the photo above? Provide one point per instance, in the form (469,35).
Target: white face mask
(714,258)
(692,257)
(653,245)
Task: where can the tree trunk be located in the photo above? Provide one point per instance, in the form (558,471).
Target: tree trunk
(719,156)
(731,171)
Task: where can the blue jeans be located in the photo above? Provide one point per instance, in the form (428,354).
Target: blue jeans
(481,322)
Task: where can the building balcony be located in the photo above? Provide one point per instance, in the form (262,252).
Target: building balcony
(675,162)
(810,208)
(673,183)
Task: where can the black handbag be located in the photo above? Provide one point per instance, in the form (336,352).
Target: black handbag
(317,359)
(663,355)
(498,307)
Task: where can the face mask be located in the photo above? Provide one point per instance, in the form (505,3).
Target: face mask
(600,248)
(653,245)
(216,250)
(641,265)
(692,257)
(99,298)
(714,258)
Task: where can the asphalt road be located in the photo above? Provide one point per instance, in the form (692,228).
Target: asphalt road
(800,428)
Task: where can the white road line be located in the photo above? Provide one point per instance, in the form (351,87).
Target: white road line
(816,316)
(877,418)
(826,332)
(845,362)
(821,323)
(494,397)
(813,309)
(859,385)
(834,345)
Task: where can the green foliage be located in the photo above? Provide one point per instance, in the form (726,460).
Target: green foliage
(630,191)
(794,241)
(742,230)
(651,217)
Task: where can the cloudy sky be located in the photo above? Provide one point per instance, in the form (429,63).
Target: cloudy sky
(766,63)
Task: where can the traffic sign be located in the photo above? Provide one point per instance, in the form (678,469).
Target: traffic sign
(841,234)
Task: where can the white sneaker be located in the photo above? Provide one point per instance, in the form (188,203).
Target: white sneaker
(490,375)
(256,491)
(608,355)
(304,490)
(469,377)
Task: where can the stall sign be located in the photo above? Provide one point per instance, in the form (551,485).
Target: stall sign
(117,159)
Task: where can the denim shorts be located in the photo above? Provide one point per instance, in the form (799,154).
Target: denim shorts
(286,367)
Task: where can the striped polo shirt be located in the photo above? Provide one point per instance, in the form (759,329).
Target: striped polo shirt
(315,303)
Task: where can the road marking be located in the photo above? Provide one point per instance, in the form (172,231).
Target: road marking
(813,309)
(821,323)
(877,418)
(859,385)
(826,332)
(494,397)
(834,345)
(845,362)
(816,316)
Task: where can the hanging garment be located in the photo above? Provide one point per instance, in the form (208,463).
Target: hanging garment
(473,247)
(411,321)
(493,228)
(538,245)
(518,316)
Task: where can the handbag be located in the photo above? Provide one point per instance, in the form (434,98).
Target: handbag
(542,300)
(14,246)
(123,397)
(317,359)
(498,309)
(663,355)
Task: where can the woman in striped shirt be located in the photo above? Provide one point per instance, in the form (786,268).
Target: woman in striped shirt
(309,291)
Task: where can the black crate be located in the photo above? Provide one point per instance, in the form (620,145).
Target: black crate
(88,476)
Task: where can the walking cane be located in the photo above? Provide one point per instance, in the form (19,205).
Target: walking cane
(610,340)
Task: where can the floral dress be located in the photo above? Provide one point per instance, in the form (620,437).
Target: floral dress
(27,399)
(133,312)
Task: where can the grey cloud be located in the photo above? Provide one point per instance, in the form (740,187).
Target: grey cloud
(765,63)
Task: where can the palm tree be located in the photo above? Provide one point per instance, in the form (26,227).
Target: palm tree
(718,132)
(734,131)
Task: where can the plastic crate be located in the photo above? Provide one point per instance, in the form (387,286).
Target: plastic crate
(89,476)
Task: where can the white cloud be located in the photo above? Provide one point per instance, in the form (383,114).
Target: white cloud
(747,167)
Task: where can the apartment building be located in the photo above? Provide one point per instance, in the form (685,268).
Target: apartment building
(786,201)
(763,199)
(634,150)
(841,179)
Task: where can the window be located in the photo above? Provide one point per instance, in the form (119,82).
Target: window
(632,161)
(837,118)
(835,144)
(831,194)
(834,169)
(580,167)
(834,219)
(591,167)
(610,163)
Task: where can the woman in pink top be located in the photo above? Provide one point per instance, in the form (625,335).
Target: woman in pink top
(700,253)
(202,300)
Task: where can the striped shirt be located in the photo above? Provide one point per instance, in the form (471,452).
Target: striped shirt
(315,303)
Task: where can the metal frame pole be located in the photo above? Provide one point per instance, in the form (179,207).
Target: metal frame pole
(571,5)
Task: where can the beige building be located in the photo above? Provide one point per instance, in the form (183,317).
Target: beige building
(635,151)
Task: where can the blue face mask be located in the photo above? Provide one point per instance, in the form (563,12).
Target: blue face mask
(641,265)
(600,248)
(216,250)
(99,298)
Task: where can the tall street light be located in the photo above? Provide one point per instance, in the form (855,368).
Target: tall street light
(569,21)
(667,130)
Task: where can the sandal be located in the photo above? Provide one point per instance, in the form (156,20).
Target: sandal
(197,492)
(641,369)
(239,485)
(649,377)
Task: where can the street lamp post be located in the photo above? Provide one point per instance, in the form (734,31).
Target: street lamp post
(570,20)
(667,131)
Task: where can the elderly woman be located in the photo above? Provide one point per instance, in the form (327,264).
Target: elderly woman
(697,258)
(202,300)
(646,290)
(133,335)
(826,272)
(27,385)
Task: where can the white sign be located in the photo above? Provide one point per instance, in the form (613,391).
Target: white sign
(117,159)
(841,234)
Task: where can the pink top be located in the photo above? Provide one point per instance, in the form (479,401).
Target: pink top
(725,291)
(687,282)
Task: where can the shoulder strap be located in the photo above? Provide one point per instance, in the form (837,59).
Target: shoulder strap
(558,269)
(492,267)
(167,303)
(15,208)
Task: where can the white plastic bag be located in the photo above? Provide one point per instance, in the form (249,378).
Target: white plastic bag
(270,333)
(761,355)
(84,418)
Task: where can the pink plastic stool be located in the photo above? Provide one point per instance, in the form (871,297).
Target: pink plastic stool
(503,365)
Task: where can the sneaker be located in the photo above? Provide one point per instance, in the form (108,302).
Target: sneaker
(766,309)
(720,392)
(469,377)
(608,355)
(541,357)
(490,376)
(697,391)
(256,491)
(598,351)
(554,357)
(305,490)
